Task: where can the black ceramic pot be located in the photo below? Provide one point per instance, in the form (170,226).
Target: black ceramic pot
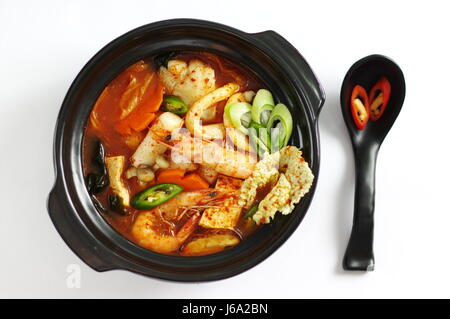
(269,56)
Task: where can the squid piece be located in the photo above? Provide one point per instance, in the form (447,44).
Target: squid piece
(209,245)
(150,148)
(165,124)
(193,116)
(209,114)
(182,163)
(115,166)
(214,131)
(189,81)
(147,151)
(216,156)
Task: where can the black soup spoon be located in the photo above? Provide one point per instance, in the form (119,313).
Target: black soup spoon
(366,143)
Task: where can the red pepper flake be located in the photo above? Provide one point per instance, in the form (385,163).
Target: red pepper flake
(193,80)
(262,220)
(302,159)
(206,80)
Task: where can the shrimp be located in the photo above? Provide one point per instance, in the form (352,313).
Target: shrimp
(186,200)
(194,115)
(144,230)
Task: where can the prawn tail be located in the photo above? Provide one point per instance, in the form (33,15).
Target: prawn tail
(188,228)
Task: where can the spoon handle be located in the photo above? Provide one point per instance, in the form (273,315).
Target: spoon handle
(359,253)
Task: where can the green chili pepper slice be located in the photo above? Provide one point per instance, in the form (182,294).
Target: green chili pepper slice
(174,104)
(252,210)
(155,195)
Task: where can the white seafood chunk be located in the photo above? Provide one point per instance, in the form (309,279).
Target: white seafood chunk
(190,81)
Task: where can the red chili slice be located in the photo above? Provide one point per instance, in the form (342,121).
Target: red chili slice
(359,105)
(379,98)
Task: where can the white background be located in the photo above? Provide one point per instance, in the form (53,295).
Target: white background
(44,44)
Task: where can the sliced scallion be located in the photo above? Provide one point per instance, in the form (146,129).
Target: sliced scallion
(240,115)
(280,126)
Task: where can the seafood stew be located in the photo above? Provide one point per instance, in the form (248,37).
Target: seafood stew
(188,154)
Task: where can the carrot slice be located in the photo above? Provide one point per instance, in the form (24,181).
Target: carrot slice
(189,182)
(156,97)
(170,175)
(138,123)
(123,128)
(144,112)
(194,182)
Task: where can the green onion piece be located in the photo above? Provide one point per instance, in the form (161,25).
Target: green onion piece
(262,97)
(252,210)
(280,126)
(239,114)
(261,114)
(256,125)
(262,106)
(257,143)
(174,104)
(262,134)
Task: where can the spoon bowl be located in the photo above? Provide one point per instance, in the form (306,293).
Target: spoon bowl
(366,143)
